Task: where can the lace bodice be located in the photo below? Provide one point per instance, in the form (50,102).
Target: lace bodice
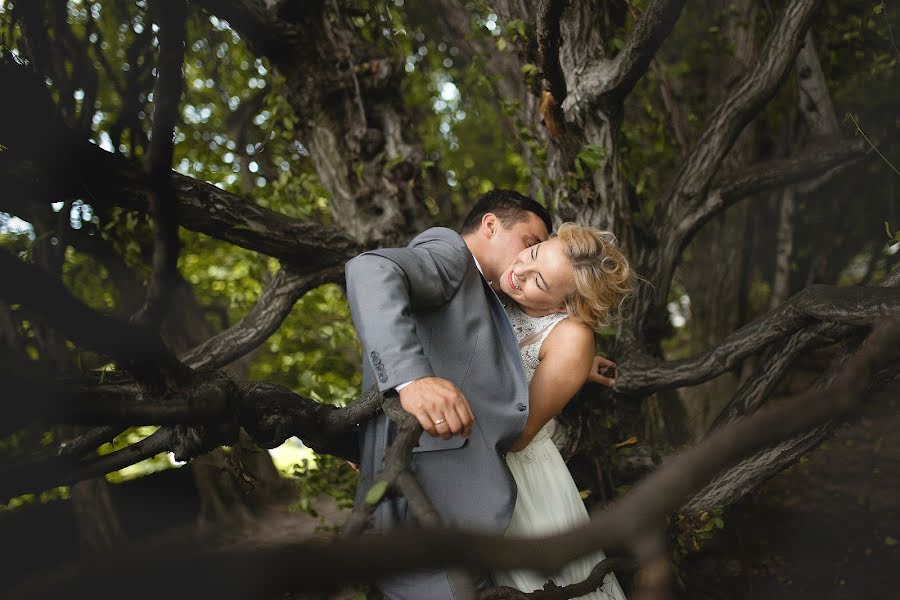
(530,334)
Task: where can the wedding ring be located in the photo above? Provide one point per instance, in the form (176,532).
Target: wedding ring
(439,421)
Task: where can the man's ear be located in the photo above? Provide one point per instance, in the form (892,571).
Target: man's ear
(489,224)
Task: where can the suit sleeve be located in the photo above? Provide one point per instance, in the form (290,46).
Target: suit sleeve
(384,288)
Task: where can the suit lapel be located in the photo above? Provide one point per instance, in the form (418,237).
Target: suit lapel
(507,336)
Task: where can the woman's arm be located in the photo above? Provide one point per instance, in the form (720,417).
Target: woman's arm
(568,354)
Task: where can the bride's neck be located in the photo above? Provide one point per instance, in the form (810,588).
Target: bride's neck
(536,313)
(528,311)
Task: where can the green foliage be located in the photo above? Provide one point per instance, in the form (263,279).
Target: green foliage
(690,533)
(477,140)
(589,159)
(53,494)
(324,475)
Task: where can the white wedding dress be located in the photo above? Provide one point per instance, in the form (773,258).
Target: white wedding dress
(548,500)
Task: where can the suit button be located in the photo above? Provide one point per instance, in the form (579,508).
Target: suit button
(521,407)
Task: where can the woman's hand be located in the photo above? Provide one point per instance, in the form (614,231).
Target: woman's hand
(601,371)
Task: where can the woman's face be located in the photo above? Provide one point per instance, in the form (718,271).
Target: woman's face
(540,278)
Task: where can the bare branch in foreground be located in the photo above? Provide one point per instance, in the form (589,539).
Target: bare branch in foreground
(574,590)
(297,566)
(395,475)
(750,473)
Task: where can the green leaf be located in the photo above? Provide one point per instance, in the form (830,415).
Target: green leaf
(517,28)
(591,157)
(707,527)
(529,70)
(376,492)
(501,44)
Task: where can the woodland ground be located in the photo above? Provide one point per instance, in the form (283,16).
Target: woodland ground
(825,528)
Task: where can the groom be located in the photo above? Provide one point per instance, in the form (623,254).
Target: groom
(433,330)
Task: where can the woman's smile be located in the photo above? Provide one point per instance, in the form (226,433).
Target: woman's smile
(512,281)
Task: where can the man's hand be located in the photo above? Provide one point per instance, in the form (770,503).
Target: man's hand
(439,406)
(601,371)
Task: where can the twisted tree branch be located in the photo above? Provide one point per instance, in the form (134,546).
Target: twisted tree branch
(199,418)
(574,590)
(44,159)
(395,477)
(166,96)
(630,64)
(754,392)
(768,176)
(42,472)
(689,187)
(857,305)
(266,316)
(608,81)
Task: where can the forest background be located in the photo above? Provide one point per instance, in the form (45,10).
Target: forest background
(395,116)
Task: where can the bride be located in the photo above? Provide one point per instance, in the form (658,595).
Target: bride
(556,294)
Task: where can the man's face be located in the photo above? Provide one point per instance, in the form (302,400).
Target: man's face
(507,243)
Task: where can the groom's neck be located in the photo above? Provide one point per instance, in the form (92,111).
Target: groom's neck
(476,247)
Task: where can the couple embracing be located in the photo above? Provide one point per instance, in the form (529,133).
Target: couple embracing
(486,335)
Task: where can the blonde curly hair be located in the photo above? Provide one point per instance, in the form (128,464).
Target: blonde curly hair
(604,280)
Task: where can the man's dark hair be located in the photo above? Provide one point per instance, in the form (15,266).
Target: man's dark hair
(510,207)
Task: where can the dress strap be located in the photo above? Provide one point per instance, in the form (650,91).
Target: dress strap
(538,337)
(550,327)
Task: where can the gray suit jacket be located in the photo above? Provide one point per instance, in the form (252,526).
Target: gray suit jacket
(425,310)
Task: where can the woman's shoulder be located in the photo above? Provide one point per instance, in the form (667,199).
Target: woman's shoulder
(569,337)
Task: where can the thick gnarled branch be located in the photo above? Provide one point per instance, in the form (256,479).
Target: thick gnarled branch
(45,160)
(650,31)
(608,81)
(197,419)
(266,316)
(859,305)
